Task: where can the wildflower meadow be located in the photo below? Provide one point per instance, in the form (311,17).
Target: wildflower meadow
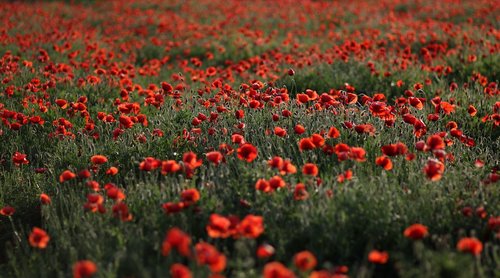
(275,139)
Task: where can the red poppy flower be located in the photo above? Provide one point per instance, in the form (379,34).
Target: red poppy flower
(310,169)
(247,152)
(39,238)
(494,223)
(180,271)
(305,260)
(66,176)
(394,149)
(94,203)
(302,98)
(472,110)
(365,128)
(277,182)
(275,162)
(237,139)
(207,254)
(84,269)
(265,251)
(190,196)
(416,102)
(357,154)
(115,193)
(19,159)
(378,108)
(169,166)
(191,161)
(170,207)
(215,157)
(384,162)
(7,211)
(177,239)
(470,245)
(435,142)
(416,231)
(299,129)
(120,211)
(306,144)
(300,192)
(149,164)
(218,226)
(84,174)
(251,226)
(98,159)
(333,132)
(263,185)
(280,132)
(63,104)
(112,171)
(288,168)
(378,257)
(44,199)
(277,270)
(317,140)
(434,169)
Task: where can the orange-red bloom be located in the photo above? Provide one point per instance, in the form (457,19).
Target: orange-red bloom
(66,176)
(251,226)
(472,110)
(310,169)
(357,154)
(149,164)
(470,245)
(207,254)
(84,269)
(435,142)
(300,192)
(112,171)
(98,159)
(218,226)
(276,162)
(44,199)
(191,160)
(169,166)
(277,182)
(378,257)
(247,152)
(306,144)
(416,231)
(384,162)
(305,260)
(120,211)
(19,159)
(39,238)
(280,132)
(180,271)
(434,169)
(277,270)
(7,211)
(190,196)
(394,149)
(333,132)
(317,140)
(263,185)
(265,251)
(215,157)
(299,129)
(177,239)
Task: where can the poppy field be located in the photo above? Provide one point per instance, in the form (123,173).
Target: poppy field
(270,139)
